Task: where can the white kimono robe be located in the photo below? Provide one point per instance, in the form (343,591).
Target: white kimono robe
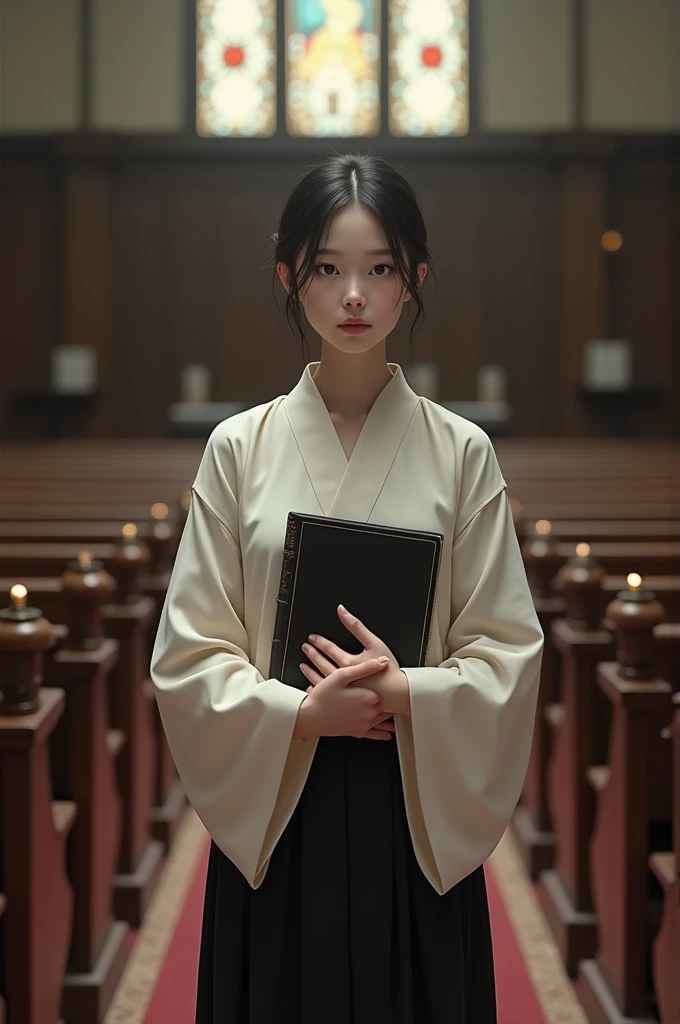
(464,750)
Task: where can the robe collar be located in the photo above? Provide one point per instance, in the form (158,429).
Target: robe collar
(349,489)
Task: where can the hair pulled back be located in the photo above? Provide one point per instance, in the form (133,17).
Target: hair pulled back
(342,181)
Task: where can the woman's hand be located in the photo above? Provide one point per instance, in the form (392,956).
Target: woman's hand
(335,708)
(391,684)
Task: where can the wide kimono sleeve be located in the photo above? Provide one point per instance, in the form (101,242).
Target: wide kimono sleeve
(465,749)
(230,731)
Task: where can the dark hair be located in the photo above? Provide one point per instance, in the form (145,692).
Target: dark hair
(350,180)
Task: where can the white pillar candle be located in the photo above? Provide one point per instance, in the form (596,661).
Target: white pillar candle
(195,383)
(491,384)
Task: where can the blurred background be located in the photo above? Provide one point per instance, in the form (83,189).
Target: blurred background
(147,148)
(141,183)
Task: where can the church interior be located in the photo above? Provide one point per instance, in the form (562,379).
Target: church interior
(148,148)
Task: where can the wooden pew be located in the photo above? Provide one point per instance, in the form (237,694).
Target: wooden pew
(544,557)
(34,828)
(3,907)
(84,755)
(132,711)
(27,559)
(666,869)
(579,724)
(633,809)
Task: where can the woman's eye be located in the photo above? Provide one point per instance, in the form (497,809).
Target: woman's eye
(322,267)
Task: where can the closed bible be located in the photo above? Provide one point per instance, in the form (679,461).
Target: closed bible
(385,575)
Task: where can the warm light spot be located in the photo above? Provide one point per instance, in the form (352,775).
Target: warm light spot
(85,560)
(234,56)
(634,581)
(159,510)
(18,595)
(583,550)
(612,241)
(516,507)
(129,531)
(543,527)
(431,56)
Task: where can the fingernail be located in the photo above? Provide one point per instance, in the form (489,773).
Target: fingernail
(383,660)
(342,608)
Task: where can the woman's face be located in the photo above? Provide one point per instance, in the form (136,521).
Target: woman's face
(354,276)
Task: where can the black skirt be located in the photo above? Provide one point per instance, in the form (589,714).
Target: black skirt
(345,928)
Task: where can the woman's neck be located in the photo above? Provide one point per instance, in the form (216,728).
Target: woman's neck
(349,384)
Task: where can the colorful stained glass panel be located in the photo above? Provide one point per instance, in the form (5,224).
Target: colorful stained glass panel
(333,67)
(236,67)
(428,67)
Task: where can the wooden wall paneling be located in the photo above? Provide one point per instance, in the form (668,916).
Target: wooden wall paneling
(142,333)
(519,278)
(452,196)
(583,305)
(204,250)
(257,356)
(86,274)
(29,306)
(675,346)
(644,282)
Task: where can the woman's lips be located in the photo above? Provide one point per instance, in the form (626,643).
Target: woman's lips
(354,328)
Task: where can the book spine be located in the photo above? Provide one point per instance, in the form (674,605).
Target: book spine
(290,552)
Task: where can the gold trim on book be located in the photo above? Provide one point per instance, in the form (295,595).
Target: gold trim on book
(542,958)
(129,1005)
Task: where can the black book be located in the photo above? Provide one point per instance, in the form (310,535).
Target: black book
(385,575)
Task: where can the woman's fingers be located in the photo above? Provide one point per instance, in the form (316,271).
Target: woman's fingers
(363,668)
(377,734)
(324,665)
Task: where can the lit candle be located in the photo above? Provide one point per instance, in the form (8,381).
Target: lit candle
(634,581)
(18,595)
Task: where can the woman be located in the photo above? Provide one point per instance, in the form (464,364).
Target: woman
(346,881)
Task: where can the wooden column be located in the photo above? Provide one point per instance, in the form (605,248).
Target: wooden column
(633,791)
(584,301)
(87,247)
(84,759)
(132,706)
(531,823)
(579,726)
(169,800)
(33,834)
(3,907)
(666,868)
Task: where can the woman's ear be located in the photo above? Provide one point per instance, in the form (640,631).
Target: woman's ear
(422,271)
(284,274)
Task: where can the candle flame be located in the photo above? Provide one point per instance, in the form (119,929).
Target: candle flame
(634,581)
(85,560)
(543,527)
(583,550)
(129,531)
(159,510)
(18,595)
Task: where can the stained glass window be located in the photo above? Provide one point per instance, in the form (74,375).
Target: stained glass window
(428,67)
(328,63)
(333,67)
(236,67)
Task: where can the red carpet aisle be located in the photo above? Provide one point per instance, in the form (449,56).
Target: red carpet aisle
(160,982)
